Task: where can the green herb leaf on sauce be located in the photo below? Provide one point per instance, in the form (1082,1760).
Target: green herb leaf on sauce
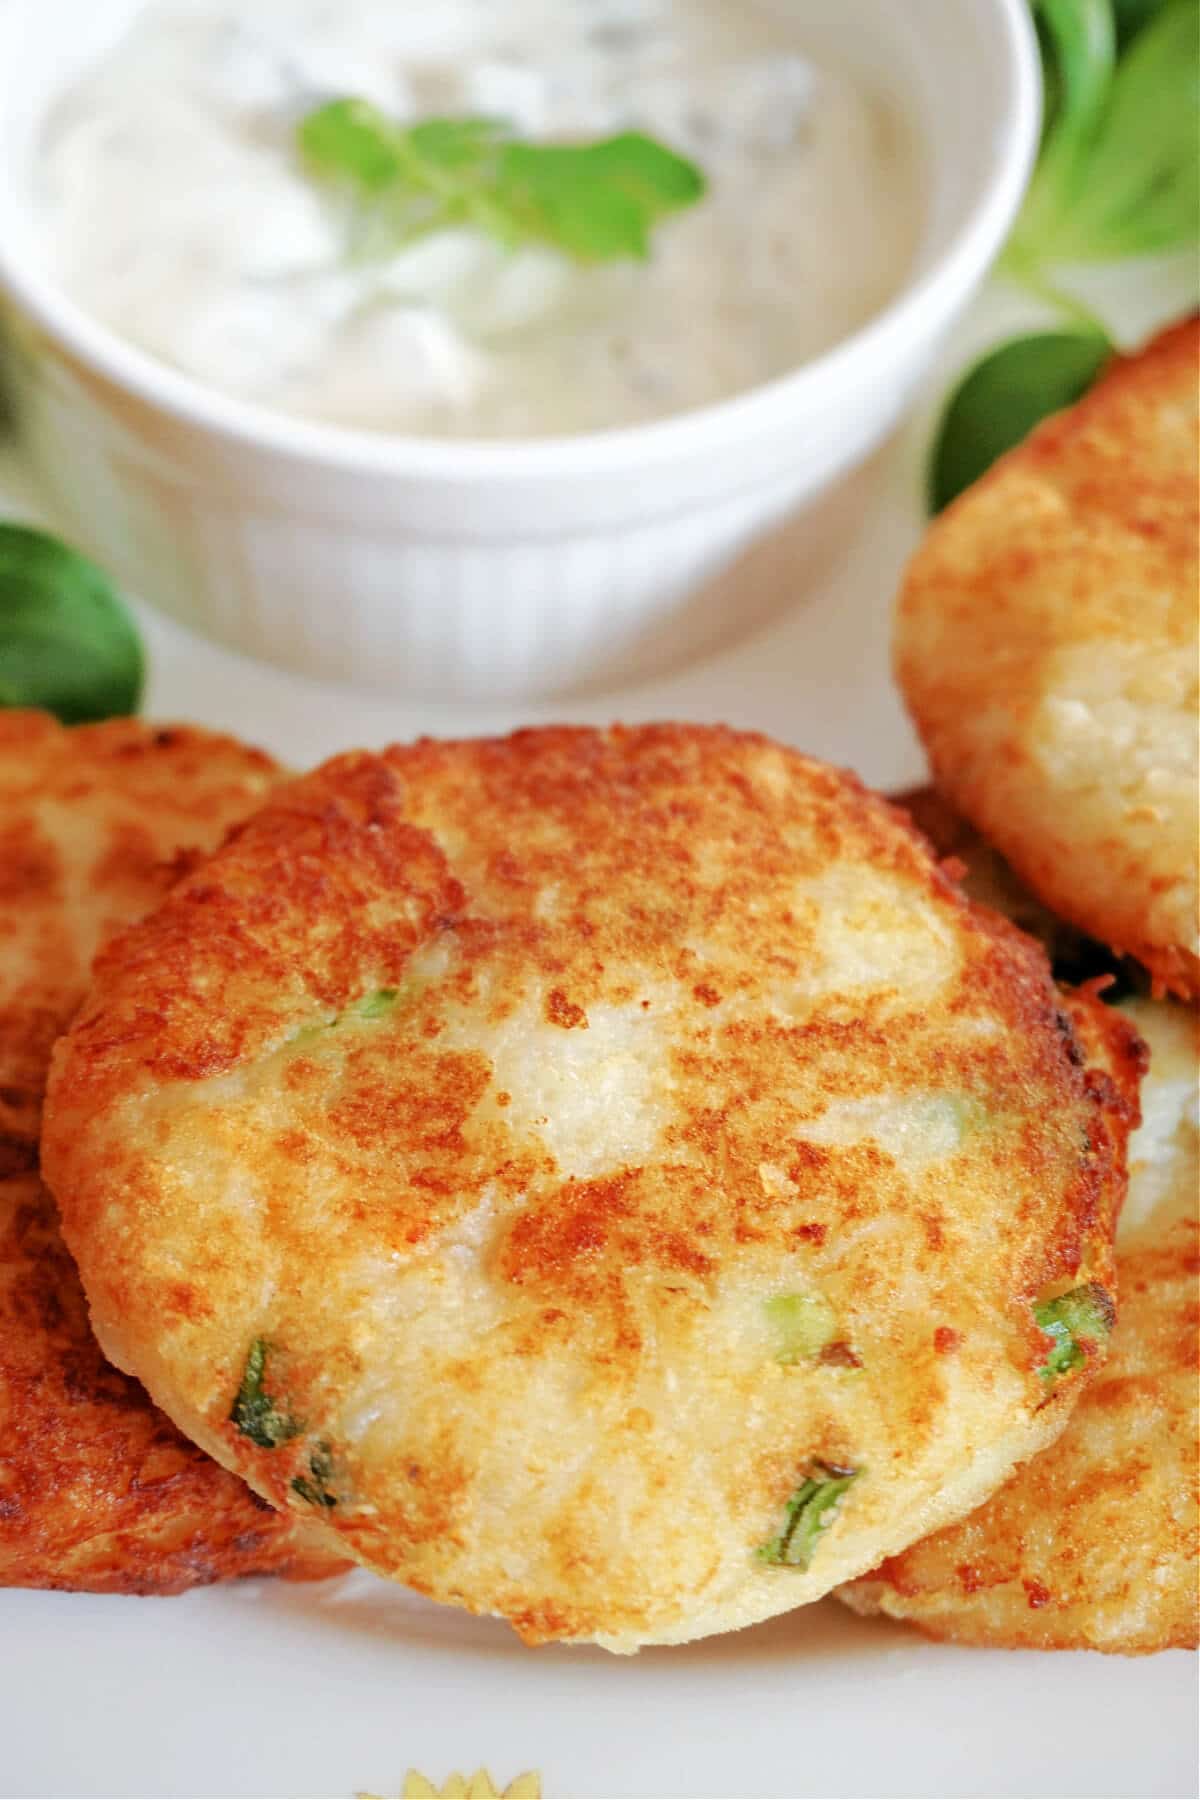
(1083,1315)
(594,202)
(810,1511)
(254,1412)
(67,643)
(802,1325)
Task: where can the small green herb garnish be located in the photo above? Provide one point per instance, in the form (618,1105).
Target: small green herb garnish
(1084,1314)
(1118,176)
(802,1325)
(595,202)
(253,1412)
(316,1491)
(370,1007)
(66,641)
(375,1006)
(810,1511)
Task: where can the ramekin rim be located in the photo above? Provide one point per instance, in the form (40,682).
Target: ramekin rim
(201,408)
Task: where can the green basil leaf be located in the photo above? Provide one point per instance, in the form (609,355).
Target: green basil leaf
(1142,188)
(1003,397)
(67,642)
(596,201)
(1079,57)
(1131,15)
(353,141)
(593,201)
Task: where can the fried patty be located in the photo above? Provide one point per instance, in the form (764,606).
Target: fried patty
(1075,958)
(1093,1545)
(1047,648)
(98,1490)
(607,1179)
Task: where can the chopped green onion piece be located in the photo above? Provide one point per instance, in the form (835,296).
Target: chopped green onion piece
(1085,1314)
(253,1412)
(810,1511)
(316,1491)
(375,1006)
(802,1325)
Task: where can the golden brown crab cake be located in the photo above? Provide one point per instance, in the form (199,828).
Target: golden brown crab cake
(90,820)
(98,1490)
(1047,648)
(1093,1545)
(605,1178)
(985,877)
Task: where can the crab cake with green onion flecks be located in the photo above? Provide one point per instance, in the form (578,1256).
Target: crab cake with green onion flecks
(98,1490)
(613,1180)
(1047,648)
(1094,1544)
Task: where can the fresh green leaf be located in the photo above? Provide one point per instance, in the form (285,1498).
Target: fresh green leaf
(593,201)
(352,141)
(1085,1314)
(1142,188)
(1079,56)
(456,143)
(317,1489)
(1119,171)
(1003,397)
(67,642)
(1118,176)
(801,1324)
(1131,15)
(810,1511)
(253,1412)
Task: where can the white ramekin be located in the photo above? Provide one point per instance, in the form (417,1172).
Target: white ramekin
(499,569)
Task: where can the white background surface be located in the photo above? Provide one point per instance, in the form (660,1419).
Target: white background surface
(265,1689)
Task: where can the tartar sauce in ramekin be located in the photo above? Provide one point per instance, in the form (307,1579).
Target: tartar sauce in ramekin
(176,209)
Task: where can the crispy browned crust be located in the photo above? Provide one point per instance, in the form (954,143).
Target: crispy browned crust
(1093,1545)
(986,877)
(95,823)
(792,949)
(1047,648)
(98,1490)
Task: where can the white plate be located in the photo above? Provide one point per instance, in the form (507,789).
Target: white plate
(266,1689)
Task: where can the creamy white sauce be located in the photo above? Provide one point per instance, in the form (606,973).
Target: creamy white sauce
(175,210)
